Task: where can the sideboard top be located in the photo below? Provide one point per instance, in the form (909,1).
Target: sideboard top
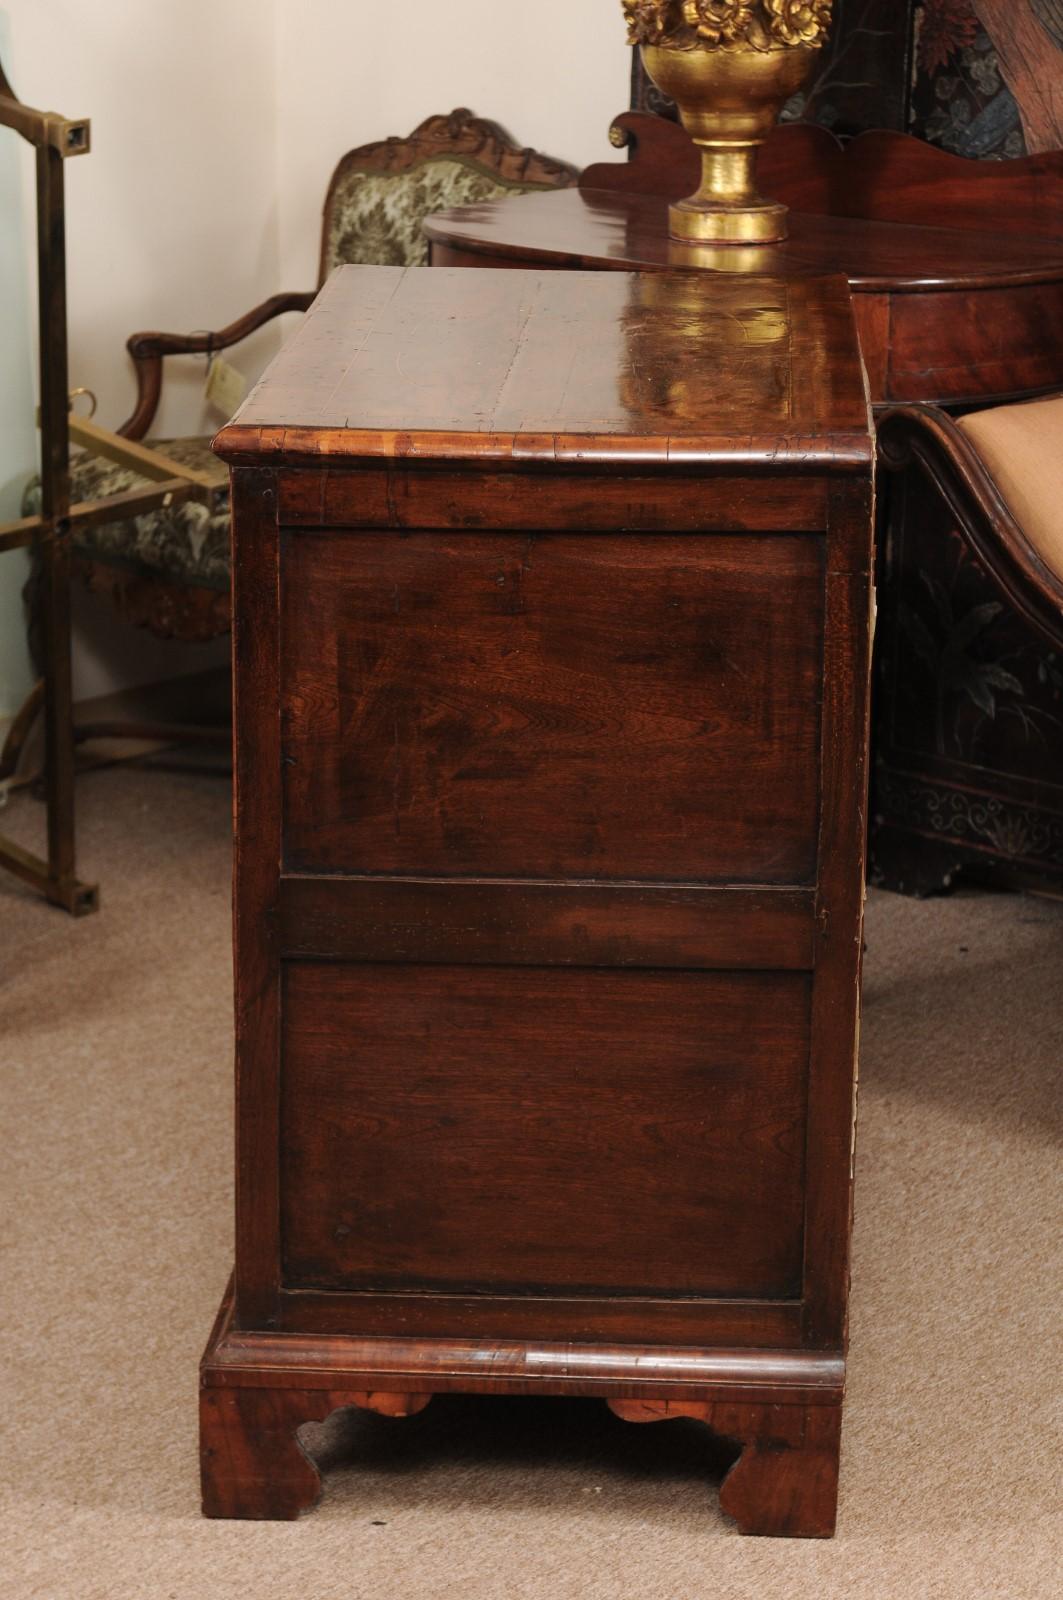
(564,367)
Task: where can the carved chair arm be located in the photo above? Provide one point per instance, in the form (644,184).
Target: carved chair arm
(928,439)
(149,349)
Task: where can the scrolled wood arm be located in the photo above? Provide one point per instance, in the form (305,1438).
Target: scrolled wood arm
(149,349)
(929,440)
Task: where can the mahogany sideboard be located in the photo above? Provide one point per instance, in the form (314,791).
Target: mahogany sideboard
(956,268)
(551,646)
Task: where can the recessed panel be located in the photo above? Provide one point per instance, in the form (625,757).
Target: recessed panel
(543,1131)
(552,705)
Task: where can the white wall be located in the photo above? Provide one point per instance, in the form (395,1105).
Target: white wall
(215,126)
(171,223)
(17,441)
(553,72)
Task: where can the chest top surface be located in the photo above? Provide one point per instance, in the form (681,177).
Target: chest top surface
(575,367)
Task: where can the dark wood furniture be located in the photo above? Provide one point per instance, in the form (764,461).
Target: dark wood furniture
(551,643)
(973,686)
(957,273)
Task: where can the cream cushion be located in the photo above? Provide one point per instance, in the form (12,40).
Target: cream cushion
(1022,447)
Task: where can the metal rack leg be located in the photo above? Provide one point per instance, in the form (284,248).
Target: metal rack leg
(55,878)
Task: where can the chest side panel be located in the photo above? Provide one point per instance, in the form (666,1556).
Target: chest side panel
(553,705)
(544,1131)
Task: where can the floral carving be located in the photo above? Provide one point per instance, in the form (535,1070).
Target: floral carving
(649,20)
(799,21)
(719,21)
(727,24)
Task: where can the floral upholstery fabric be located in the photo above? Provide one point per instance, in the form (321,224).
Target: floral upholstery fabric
(181,544)
(375,217)
(959,98)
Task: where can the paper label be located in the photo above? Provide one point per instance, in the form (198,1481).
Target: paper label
(225,387)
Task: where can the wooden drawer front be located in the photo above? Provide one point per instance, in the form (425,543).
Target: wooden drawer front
(503,705)
(534,1130)
(511,497)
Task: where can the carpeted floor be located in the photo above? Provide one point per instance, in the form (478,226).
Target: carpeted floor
(115,1049)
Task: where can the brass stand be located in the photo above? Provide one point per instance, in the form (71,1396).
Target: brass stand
(54,139)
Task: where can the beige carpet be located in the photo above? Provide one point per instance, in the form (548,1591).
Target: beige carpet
(114,1038)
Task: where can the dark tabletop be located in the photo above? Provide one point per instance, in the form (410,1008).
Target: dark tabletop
(599,228)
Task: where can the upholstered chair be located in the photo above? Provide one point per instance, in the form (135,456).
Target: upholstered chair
(1000,473)
(972,634)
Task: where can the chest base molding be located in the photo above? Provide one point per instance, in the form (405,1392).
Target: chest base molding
(782,1408)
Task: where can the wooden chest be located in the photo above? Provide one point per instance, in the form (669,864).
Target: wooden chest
(551,627)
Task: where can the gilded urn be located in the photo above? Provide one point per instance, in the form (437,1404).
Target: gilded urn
(730,66)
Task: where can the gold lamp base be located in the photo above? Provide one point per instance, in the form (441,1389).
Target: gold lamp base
(730,66)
